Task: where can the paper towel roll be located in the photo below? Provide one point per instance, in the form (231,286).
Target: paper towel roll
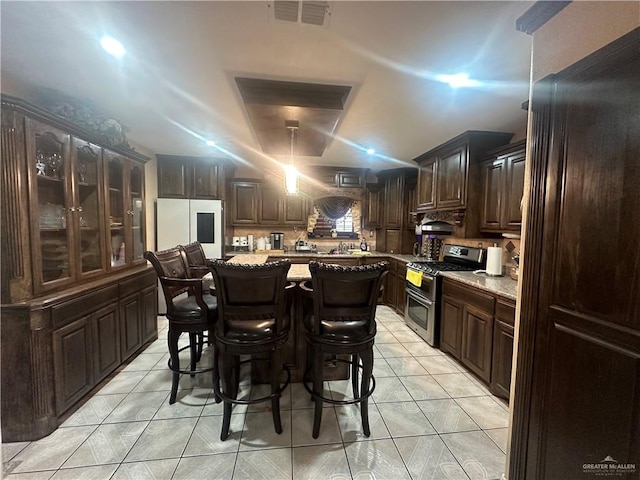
(494,261)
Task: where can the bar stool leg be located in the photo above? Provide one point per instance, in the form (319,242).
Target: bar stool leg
(276,368)
(355,361)
(193,349)
(172,340)
(216,375)
(318,364)
(226,364)
(367,370)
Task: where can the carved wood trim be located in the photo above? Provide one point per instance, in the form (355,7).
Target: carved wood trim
(539,14)
(455,216)
(41,365)
(11,218)
(49,118)
(530,271)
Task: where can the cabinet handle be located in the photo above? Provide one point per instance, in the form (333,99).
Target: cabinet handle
(71,209)
(79,209)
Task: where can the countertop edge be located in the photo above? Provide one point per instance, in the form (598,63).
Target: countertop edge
(502,286)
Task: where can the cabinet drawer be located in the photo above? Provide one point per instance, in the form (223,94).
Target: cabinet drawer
(469,295)
(82,306)
(506,311)
(139,282)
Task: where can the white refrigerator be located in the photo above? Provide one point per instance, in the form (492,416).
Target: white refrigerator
(181,221)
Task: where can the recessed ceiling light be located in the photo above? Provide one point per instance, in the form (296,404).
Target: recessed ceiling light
(458,80)
(211,143)
(371,151)
(113,46)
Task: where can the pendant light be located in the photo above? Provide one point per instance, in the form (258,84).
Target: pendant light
(290,172)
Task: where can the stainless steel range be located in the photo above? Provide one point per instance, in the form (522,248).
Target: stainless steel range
(424,286)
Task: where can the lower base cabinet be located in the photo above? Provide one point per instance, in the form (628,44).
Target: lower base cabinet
(66,343)
(502,349)
(477,329)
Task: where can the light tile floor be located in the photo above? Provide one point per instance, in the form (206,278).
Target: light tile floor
(430,419)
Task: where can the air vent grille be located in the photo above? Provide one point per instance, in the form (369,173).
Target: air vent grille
(313,13)
(286,10)
(310,12)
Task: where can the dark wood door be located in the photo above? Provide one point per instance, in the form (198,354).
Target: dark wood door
(270,204)
(244,203)
(393,201)
(149,303)
(295,210)
(477,338)
(427,184)
(173,178)
(106,342)
(502,359)
(401,292)
(451,326)
(513,192)
(72,363)
(492,178)
(206,183)
(130,325)
(392,241)
(452,178)
(373,206)
(577,394)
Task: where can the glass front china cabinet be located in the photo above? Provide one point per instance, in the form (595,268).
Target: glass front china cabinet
(78,298)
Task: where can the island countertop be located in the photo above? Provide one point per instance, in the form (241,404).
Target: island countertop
(298,271)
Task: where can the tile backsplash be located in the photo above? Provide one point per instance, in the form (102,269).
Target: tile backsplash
(488,242)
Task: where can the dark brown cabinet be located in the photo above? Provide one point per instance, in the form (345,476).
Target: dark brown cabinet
(255,203)
(191,177)
(138,311)
(451,325)
(477,329)
(477,336)
(72,363)
(341,177)
(106,347)
(452,178)
(270,204)
(427,175)
(295,210)
(449,177)
(399,189)
(502,178)
(502,348)
(373,203)
(73,223)
(244,203)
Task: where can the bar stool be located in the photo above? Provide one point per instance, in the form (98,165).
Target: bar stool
(193,314)
(253,318)
(342,322)
(198,268)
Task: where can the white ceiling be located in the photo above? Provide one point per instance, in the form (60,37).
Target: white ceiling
(176,82)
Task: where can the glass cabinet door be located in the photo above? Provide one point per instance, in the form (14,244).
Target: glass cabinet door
(136,202)
(49,178)
(88,207)
(117,209)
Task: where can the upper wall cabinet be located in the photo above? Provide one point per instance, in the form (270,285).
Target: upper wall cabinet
(502,189)
(192,177)
(257,203)
(443,179)
(448,179)
(341,177)
(72,210)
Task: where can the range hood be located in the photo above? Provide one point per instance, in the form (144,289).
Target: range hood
(435,227)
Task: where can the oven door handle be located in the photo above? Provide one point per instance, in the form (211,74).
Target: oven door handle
(419,298)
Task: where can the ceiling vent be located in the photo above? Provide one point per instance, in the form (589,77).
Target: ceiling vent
(309,12)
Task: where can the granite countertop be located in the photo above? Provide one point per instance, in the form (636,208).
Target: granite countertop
(297,272)
(245,255)
(504,286)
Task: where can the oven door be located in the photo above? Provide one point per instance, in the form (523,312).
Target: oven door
(420,316)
